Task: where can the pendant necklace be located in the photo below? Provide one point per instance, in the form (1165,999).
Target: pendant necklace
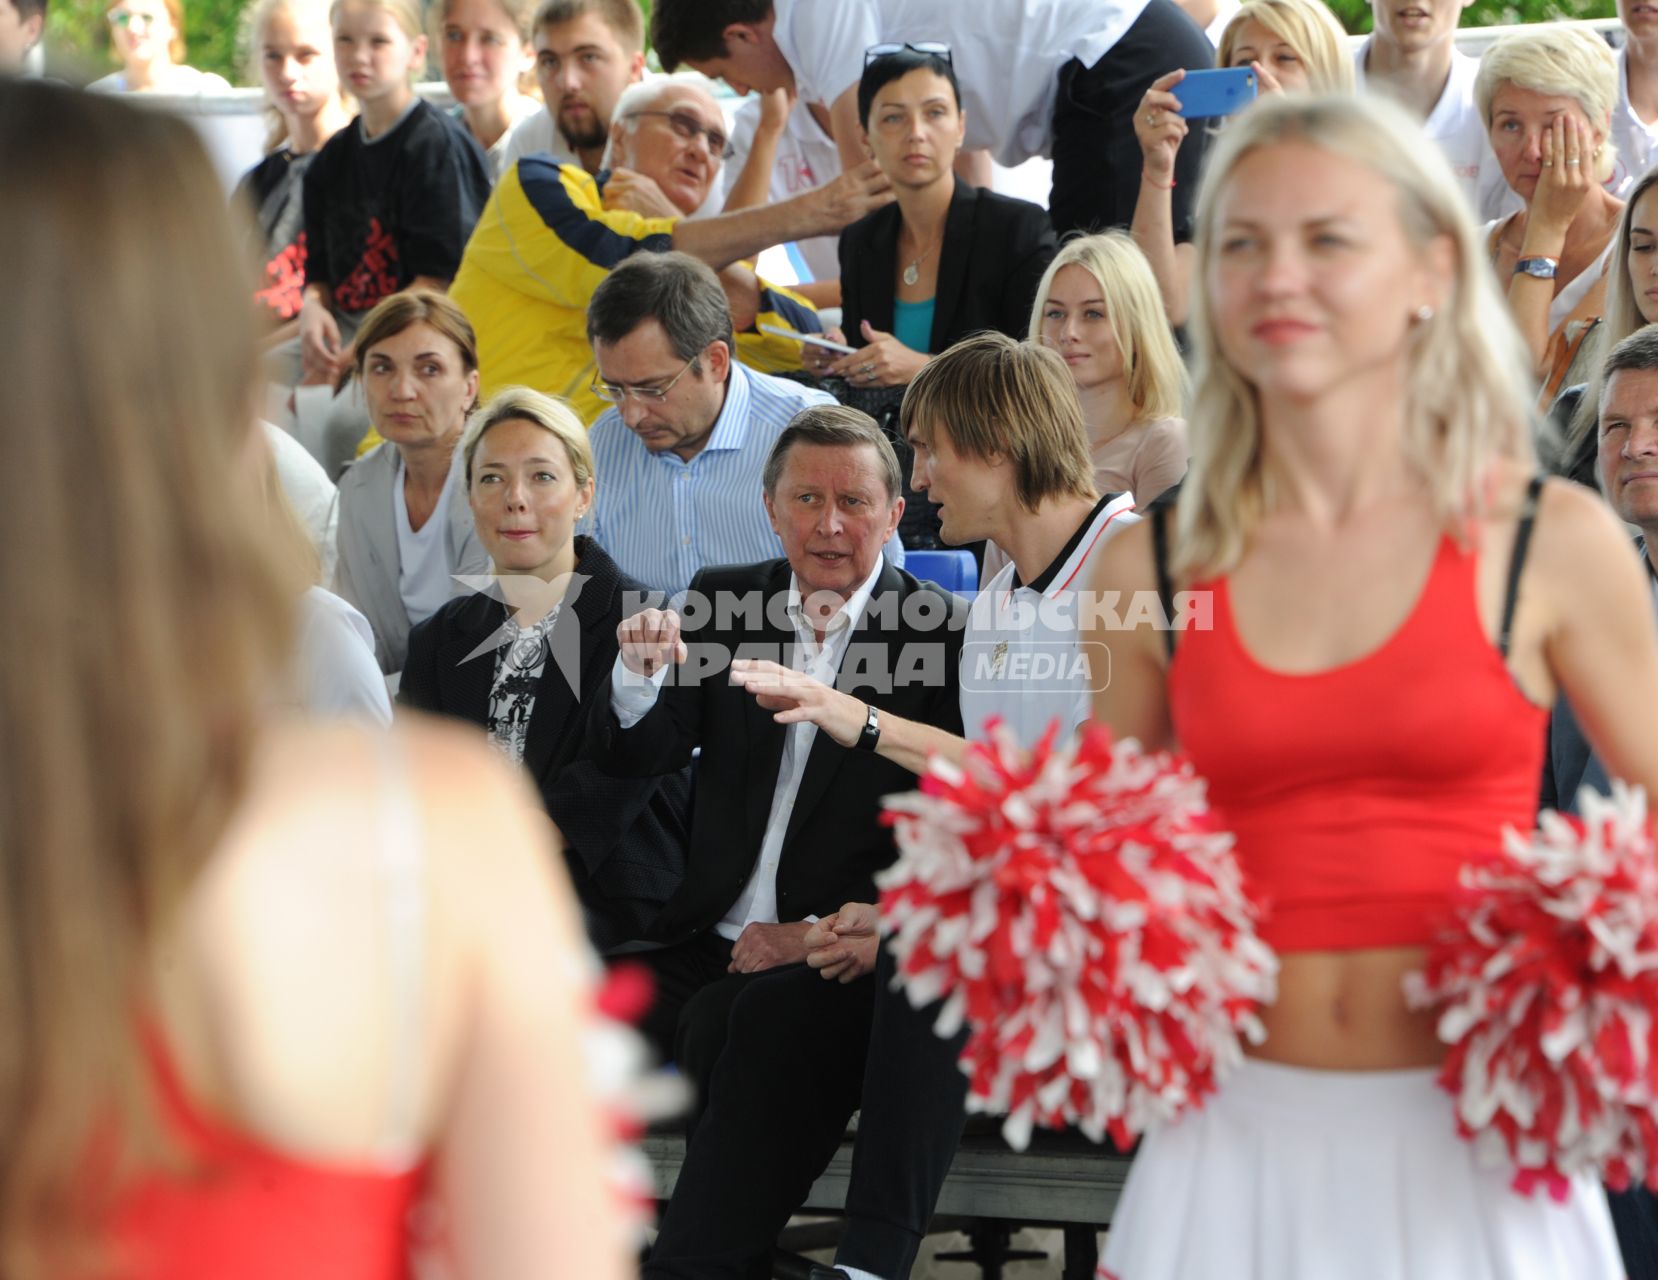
(912,273)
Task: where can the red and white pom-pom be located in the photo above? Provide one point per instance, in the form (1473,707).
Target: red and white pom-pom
(1547,990)
(630,1093)
(1081,910)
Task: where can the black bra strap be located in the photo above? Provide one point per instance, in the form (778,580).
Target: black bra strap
(1165,583)
(1517,561)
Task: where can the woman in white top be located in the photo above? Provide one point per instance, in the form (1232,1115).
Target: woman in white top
(406,532)
(1546,94)
(148,37)
(485,49)
(237,943)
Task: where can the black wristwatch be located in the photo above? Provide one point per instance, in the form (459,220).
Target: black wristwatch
(872,728)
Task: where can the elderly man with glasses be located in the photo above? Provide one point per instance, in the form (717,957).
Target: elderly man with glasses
(551,233)
(680,453)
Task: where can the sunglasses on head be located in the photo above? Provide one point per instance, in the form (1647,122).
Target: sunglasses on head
(931,48)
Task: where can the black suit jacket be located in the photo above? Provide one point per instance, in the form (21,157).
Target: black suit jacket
(834,843)
(994,252)
(625,838)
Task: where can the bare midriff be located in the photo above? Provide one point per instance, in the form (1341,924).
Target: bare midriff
(1345,1011)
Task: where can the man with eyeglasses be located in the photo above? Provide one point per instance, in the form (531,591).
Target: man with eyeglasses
(1038,77)
(551,233)
(681,453)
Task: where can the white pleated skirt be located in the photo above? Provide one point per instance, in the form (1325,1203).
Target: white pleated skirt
(1293,1174)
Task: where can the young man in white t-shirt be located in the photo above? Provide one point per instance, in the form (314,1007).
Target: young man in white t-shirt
(1038,77)
(1635,118)
(1000,443)
(586,53)
(1412,57)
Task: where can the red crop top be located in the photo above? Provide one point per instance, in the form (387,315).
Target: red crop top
(1357,793)
(249,1211)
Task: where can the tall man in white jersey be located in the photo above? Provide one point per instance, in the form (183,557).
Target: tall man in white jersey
(1000,444)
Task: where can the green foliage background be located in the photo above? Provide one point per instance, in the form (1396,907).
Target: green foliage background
(1355,14)
(78,37)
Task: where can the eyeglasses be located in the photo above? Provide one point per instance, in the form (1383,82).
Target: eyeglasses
(932,48)
(615,392)
(127,18)
(687,126)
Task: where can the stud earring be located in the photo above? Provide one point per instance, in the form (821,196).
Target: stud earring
(1422,314)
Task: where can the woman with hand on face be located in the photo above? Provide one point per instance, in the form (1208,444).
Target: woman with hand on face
(484,46)
(1546,93)
(148,37)
(551,618)
(405,531)
(1293,46)
(291,49)
(1395,601)
(946,259)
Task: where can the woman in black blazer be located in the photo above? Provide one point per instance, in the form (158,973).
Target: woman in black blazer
(946,259)
(527,658)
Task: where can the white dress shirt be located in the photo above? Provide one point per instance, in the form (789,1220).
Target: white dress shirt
(1635,139)
(1006,55)
(1456,125)
(632,696)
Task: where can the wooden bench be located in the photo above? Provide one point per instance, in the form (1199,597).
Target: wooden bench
(1063,1181)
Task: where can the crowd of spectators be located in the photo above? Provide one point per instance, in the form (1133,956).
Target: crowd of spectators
(553,459)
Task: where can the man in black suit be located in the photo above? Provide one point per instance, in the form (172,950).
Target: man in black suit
(785,824)
(1626,466)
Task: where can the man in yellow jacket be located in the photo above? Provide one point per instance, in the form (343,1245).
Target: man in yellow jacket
(550,233)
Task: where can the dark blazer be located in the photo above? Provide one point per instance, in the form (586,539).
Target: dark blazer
(994,252)
(625,837)
(1568,763)
(835,842)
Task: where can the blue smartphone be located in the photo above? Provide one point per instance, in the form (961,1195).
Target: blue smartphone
(1215,93)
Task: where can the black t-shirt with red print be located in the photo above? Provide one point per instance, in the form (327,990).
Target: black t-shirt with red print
(379,213)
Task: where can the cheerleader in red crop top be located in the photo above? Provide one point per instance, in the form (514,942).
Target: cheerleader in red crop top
(1378,605)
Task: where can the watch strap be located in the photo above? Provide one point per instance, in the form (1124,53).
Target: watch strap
(1538,268)
(872,728)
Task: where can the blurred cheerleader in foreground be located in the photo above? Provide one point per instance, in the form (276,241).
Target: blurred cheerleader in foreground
(257,1005)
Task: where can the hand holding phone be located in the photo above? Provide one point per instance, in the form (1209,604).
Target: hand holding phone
(1219,92)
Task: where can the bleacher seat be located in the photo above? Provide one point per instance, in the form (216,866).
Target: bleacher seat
(955,571)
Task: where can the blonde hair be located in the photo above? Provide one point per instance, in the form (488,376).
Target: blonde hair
(552,415)
(1152,369)
(305,13)
(1463,394)
(134,666)
(1309,28)
(1564,59)
(994,395)
(1620,317)
(405,12)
